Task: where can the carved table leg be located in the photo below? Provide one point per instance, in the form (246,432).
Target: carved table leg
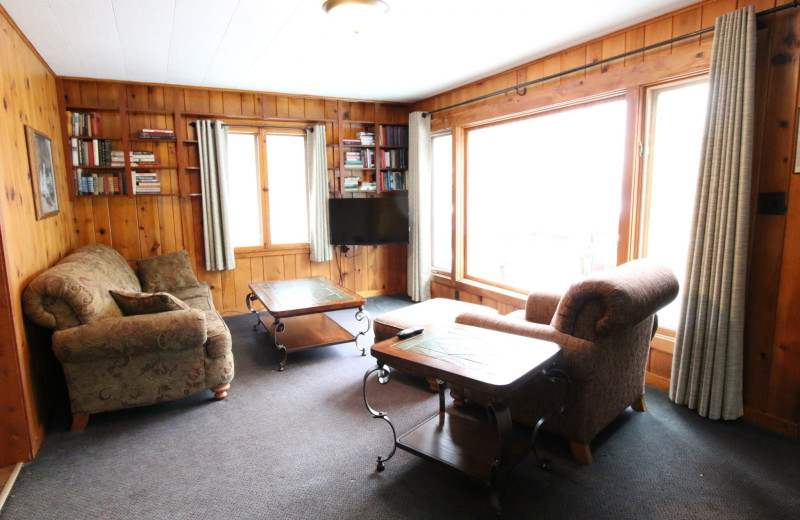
(360,315)
(250,298)
(277,327)
(383,378)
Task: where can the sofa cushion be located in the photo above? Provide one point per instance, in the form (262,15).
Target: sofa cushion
(135,303)
(166,273)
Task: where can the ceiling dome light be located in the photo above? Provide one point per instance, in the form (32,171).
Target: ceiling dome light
(356,13)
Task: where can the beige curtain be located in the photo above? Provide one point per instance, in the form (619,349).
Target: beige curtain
(317,180)
(212,137)
(419,206)
(707,364)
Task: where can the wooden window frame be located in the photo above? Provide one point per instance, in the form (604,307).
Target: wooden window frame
(263,175)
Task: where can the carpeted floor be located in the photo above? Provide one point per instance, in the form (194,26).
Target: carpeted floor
(300,444)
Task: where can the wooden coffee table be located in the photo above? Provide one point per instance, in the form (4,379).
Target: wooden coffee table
(484,360)
(297,308)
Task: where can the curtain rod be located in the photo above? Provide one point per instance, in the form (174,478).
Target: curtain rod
(268,126)
(524,86)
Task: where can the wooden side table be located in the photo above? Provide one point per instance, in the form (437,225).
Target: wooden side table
(488,361)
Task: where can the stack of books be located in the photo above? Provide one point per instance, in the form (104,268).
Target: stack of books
(353,160)
(369,186)
(137,158)
(367,138)
(351,183)
(146,183)
(351,142)
(157,133)
(91,152)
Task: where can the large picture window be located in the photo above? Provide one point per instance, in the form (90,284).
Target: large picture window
(267,181)
(543,196)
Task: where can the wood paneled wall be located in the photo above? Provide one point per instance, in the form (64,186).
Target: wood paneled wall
(144,226)
(27,246)
(772,335)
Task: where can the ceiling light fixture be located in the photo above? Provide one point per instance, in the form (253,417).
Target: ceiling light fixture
(355,12)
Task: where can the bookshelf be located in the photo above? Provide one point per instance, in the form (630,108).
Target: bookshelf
(370,155)
(112,149)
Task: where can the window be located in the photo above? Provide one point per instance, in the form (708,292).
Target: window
(675,122)
(543,196)
(267,182)
(442,201)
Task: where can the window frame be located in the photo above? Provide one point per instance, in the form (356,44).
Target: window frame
(462,175)
(263,176)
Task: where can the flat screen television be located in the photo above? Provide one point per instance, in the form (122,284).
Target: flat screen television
(369,221)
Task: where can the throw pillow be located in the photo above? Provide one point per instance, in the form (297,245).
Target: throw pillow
(133,303)
(166,273)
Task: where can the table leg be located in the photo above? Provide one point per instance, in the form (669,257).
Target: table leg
(501,416)
(552,376)
(383,378)
(360,315)
(250,298)
(277,327)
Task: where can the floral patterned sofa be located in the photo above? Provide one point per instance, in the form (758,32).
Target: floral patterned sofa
(125,340)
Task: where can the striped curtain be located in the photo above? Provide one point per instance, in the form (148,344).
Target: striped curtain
(212,137)
(317,180)
(419,206)
(707,365)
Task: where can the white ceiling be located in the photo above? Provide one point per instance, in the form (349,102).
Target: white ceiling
(420,48)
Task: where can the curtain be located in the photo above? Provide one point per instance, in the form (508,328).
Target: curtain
(317,180)
(709,348)
(419,206)
(212,137)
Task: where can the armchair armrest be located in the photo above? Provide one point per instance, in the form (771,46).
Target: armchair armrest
(541,307)
(131,335)
(580,357)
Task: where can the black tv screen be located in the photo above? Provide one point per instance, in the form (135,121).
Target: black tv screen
(369,221)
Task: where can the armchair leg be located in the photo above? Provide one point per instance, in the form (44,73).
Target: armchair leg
(221,391)
(639,404)
(581,452)
(79,422)
(432,384)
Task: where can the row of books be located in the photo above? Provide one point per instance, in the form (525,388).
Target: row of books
(97,183)
(157,134)
(393,181)
(146,183)
(359,159)
(84,124)
(394,135)
(394,159)
(135,157)
(90,152)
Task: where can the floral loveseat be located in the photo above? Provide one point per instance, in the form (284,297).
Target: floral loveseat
(125,340)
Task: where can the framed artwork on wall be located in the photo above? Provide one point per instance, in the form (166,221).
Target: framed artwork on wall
(43,175)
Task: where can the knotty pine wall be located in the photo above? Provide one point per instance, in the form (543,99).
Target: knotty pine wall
(772,336)
(138,227)
(27,246)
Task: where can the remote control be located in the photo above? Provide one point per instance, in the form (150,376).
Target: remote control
(407,333)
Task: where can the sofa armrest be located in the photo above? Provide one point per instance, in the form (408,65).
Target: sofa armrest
(541,307)
(131,335)
(579,355)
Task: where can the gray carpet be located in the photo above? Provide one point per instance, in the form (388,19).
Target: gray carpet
(300,444)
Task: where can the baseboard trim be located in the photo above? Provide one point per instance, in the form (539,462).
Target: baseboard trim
(657,381)
(770,422)
(9,484)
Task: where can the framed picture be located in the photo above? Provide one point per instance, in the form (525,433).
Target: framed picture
(43,175)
